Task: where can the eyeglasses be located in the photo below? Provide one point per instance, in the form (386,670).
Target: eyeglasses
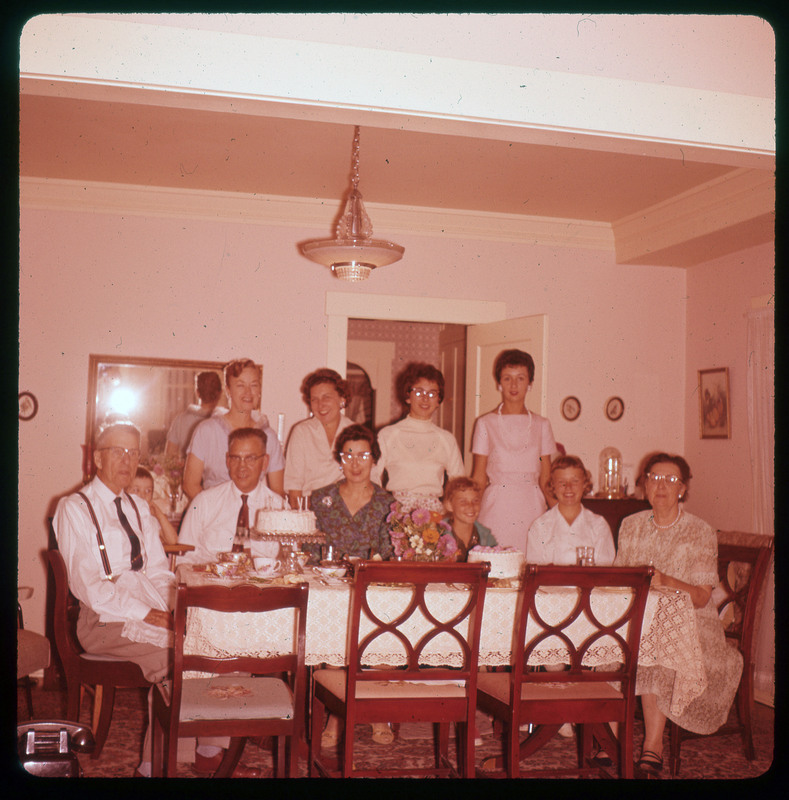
(347,458)
(120,452)
(432,395)
(247,461)
(656,479)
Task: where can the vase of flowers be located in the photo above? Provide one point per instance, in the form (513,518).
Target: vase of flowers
(170,468)
(420,533)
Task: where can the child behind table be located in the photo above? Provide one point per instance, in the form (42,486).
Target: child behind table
(462,499)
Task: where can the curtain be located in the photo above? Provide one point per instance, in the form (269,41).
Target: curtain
(761,436)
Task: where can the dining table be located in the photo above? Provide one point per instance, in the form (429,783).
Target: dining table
(669,636)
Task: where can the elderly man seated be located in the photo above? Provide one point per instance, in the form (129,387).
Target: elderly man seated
(211,520)
(117,567)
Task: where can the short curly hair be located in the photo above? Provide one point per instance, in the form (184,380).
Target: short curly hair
(356,433)
(459,484)
(414,372)
(666,458)
(513,358)
(324,375)
(571,462)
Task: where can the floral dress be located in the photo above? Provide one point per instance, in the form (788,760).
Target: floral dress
(364,534)
(687,551)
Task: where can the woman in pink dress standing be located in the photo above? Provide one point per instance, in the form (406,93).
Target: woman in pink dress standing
(512,449)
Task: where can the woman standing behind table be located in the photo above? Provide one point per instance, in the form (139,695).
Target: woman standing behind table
(684,551)
(206,465)
(512,450)
(310,462)
(352,512)
(416,454)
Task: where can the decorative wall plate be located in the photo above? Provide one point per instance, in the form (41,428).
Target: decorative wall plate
(614,408)
(28,405)
(571,408)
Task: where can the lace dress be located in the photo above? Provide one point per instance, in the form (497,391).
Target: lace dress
(687,551)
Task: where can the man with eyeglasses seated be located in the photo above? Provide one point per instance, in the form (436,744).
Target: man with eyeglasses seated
(116,565)
(211,520)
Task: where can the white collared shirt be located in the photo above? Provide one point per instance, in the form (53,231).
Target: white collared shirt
(132,594)
(552,541)
(210,519)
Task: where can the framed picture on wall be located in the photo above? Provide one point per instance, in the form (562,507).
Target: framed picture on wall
(714,409)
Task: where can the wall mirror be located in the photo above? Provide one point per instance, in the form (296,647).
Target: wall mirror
(148,391)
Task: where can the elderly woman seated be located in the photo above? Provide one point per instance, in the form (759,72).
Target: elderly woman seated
(684,551)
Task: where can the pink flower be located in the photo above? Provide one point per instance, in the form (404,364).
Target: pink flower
(420,516)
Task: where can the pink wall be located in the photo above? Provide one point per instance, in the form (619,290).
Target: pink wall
(184,288)
(719,294)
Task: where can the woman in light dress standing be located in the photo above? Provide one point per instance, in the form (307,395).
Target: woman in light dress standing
(512,449)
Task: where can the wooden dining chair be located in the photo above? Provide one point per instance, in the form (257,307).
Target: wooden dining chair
(267,699)
(743,561)
(103,674)
(413,691)
(587,697)
(33,651)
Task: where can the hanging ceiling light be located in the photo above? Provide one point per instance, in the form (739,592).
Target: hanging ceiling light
(353,253)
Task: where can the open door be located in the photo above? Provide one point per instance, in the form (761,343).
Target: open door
(483,343)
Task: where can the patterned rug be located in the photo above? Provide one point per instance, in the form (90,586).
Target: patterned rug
(706,758)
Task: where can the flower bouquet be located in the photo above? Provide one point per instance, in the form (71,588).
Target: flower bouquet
(420,533)
(169,470)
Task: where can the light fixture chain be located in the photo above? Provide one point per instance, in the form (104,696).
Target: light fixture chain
(355,159)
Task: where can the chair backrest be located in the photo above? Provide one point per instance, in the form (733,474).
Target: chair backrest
(65,612)
(742,598)
(414,626)
(620,636)
(242,598)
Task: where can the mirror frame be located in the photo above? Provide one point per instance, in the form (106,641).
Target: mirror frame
(135,361)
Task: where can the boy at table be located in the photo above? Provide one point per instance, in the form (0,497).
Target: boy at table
(212,517)
(554,536)
(462,502)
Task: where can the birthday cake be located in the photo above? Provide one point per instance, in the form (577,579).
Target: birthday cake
(286,522)
(505,562)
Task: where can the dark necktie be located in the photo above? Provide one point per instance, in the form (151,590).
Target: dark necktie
(243,514)
(136,555)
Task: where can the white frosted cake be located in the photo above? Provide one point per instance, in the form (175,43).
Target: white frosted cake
(505,562)
(288,522)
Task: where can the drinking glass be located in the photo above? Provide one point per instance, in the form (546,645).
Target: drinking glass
(584,556)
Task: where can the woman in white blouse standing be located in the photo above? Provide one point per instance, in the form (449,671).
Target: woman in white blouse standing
(418,455)
(309,457)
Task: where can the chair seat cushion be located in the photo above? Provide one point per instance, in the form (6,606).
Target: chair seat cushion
(334,681)
(33,652)
(236,697)
(497,685)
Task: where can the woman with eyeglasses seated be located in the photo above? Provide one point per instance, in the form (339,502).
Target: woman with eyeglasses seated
(512,448)
(684,552)
(416,454)
(352,512)
(554,536)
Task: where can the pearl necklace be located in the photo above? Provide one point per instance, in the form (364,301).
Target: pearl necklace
(670,525)
(525,444)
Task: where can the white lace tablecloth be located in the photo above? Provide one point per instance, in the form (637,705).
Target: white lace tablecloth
(669,636)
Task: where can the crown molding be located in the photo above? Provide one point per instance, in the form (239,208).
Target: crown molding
(737,198)
(308,213)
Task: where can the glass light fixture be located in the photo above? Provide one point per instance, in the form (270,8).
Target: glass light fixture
(610,464)
(353,254)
